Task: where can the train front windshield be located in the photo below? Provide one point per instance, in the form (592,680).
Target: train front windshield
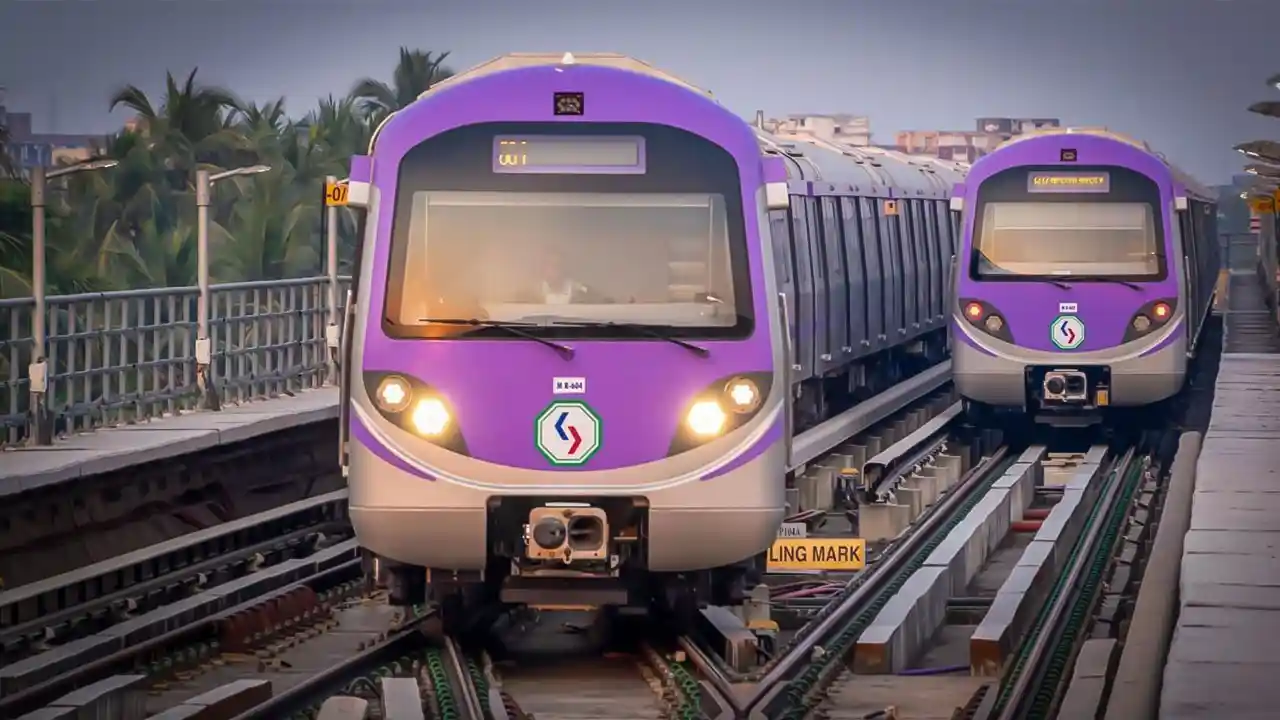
(545,239)
(1027,227)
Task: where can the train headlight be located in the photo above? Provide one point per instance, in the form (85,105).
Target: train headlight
(743,395)
(1150,318)
(393,394)
(430,417)
(722,407)
(982,316)
(706,418)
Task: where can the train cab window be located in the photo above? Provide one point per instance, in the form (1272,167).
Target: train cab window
(568,252)
(1021,231)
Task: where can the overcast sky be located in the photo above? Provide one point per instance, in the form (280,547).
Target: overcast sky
(1177,73)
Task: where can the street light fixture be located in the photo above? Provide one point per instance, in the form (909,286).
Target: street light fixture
(204,349)
(38,370)
(1274,81)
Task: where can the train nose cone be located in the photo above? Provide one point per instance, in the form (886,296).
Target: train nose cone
(549,533)
(1055,385)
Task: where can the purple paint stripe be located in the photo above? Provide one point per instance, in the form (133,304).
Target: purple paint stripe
(772,436)
(361,434)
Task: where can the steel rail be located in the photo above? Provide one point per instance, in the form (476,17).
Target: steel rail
(124,660)
(1031,676)
(883,572)
(313,691)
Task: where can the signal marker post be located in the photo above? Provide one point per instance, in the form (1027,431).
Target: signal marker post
(810,554)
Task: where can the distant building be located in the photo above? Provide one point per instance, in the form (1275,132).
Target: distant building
(30,149)
(841,127)
(969,145)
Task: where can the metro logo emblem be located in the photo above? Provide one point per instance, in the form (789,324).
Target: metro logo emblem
(567,432)
(1067,332)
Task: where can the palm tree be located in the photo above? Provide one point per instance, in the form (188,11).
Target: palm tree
(6,160)
(134,226)
(415,73)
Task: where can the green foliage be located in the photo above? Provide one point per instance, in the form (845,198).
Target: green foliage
(133,226)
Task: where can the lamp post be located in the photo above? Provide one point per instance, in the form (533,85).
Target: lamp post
(38,370)
(204,350)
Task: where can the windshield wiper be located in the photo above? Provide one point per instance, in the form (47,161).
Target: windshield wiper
(516,329)
(1055,283)
(1002,273)
(639,328)
(1105,279)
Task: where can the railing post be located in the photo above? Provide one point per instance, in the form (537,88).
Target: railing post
(331,334)
(40,421)
(204,347)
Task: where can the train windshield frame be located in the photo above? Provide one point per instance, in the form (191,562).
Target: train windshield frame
(571,253)
(1112,229)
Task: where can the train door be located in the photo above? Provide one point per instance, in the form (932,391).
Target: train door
(933,250)
(1190,238)
(878,284)
(837,326)
(821,288)
(919,302)
(911,291)
(856,272)
(803,271)
(780,236)
(947,248)
(894,268)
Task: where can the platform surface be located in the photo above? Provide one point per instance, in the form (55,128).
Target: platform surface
(109,449)
(1223,660)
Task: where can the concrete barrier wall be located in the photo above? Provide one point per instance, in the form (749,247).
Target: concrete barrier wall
(1135,692)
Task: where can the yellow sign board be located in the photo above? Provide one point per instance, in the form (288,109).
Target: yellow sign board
(335,194)
(792,554)
(1263,204)
(890,207)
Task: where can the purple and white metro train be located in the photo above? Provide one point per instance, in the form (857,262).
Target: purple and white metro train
(1085,277)
(568,360)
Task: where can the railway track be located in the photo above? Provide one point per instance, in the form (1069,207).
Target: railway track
(977,612)
(273,617)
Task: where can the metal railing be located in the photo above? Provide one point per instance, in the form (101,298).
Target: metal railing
(124,357)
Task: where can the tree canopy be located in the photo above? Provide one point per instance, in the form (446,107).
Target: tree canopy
(133,226)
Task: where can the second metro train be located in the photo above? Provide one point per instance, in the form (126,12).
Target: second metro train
(1084,280)
(592,307)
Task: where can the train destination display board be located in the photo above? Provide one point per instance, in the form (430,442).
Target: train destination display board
(1069,182)
(568,155)
(800,554)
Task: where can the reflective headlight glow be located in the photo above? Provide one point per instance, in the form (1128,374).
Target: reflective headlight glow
(743,394)
(393,394)
(706,418)
(430,417)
